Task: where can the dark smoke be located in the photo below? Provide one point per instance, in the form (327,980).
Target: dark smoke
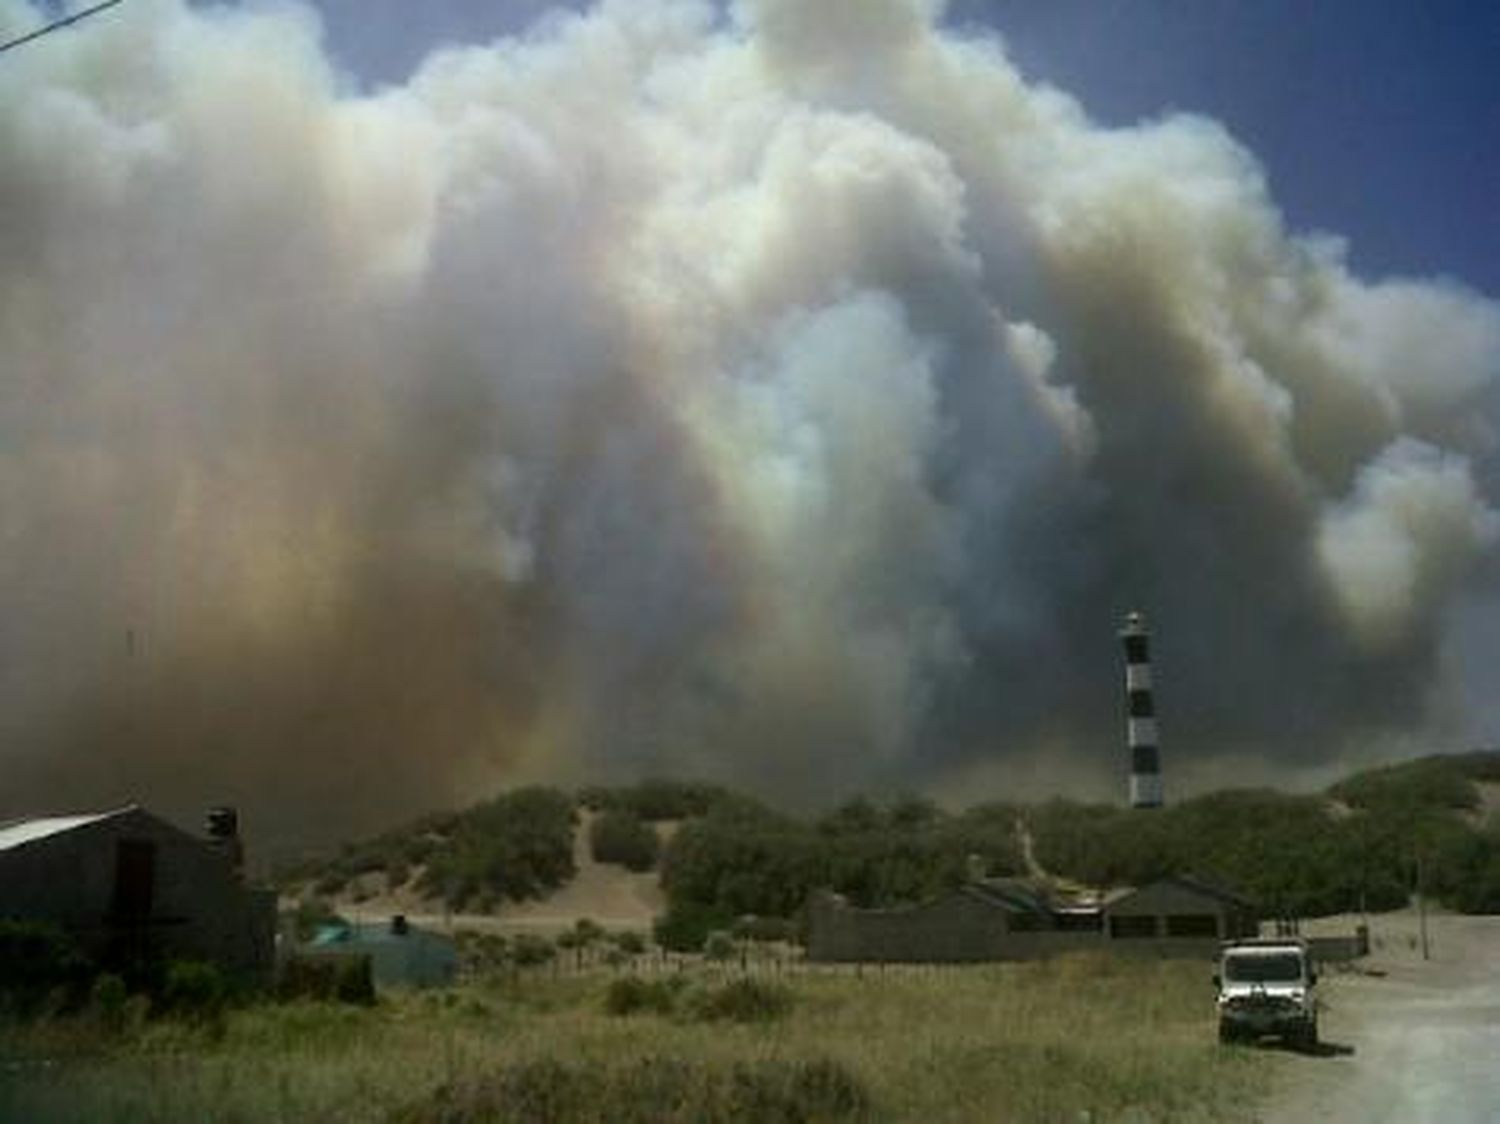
(794,398)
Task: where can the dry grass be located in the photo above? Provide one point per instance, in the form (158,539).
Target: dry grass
(1078,1038)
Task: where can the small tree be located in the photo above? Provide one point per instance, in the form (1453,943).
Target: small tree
(630,943)
(108,1000)
(686,925)
(528,950)
(196,990)
(719,945)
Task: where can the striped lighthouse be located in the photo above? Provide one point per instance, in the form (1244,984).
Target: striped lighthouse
(1140,722)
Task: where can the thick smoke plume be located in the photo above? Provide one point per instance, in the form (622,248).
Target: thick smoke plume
(794,396)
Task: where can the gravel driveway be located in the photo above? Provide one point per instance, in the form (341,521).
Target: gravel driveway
(1414,1040)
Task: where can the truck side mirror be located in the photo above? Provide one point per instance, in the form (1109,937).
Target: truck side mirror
(1312,976)
(1217,981)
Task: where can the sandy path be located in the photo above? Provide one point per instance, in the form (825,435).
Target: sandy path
(1419,1043)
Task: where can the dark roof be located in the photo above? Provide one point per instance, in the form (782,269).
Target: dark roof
(1212,889)
(1188,882)
(1013,894)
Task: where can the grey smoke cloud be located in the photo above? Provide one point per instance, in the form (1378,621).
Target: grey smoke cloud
(793,396)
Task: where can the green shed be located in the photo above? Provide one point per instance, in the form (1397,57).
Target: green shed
(401,955)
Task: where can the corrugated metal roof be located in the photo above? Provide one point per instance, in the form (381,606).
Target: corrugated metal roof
(18,833)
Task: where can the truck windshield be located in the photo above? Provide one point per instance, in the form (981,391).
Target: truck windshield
(1268,967)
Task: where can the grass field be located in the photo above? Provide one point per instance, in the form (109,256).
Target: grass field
(1080,1038)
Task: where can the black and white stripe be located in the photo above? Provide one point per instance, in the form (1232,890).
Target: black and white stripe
(1140,721)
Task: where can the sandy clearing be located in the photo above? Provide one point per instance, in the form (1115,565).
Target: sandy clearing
(1418,1043)
(602,892)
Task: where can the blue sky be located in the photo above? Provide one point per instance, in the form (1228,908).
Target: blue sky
(1378,120)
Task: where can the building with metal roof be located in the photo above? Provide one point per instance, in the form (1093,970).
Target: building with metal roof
(131,888)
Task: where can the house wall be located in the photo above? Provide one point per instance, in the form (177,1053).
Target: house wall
(1339,950)
(415,960)
(961,928)
(1160,901)
(955,928)
(199,908)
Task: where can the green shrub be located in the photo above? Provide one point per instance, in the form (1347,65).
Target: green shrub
(194,989)
(527,950)
(629,942)
(743,859)
(517,846)
(719,945)
(631,995)
(753,928)
(657,800)
(1438,783)
(795,1091)
(354,982)
(108,1000)
(620,836)
(685,926)
(306,977)
(343,978)
(482,952)
(40,964)
(1480,765)
(741,1001)
(652,1090)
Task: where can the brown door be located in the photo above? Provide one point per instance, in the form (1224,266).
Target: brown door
(135,879)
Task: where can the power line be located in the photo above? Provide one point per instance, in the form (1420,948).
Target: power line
(57,25)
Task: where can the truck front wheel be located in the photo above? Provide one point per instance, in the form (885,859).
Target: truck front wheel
(1310,1034)
(1304,1035)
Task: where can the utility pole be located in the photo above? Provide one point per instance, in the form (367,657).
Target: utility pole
(1422,907)
(1364,865)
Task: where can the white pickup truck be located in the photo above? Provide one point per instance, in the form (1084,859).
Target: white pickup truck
(1267,986)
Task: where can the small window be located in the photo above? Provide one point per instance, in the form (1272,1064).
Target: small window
(1141,705)
(1128,927)
(1192,925)
(1135,649)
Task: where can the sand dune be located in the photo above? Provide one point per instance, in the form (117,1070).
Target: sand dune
(602,892)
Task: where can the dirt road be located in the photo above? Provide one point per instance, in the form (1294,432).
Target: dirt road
(1418,1042)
